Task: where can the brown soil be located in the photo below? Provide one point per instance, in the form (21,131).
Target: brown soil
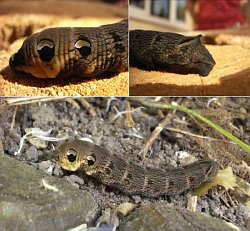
(25,18)
(230,76)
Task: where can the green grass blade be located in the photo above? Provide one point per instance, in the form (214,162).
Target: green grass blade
(201,118)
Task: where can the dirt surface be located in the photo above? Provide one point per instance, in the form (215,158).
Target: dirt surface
(19,20)
(96,119)
(230,77)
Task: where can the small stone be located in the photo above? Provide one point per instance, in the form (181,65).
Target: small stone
(44,165)
(57,171)
(10,145)
(137,199)
(32,154)
(75,180)
(38,114)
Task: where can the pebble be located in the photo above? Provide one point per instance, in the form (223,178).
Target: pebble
(44,165)
(32,154)
(75,180)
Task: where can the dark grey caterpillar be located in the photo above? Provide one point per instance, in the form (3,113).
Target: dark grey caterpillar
(113,170)
(153,50)
(80,51)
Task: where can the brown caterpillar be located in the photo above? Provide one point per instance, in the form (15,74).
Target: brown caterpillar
(65,51)
(154,50)
(113,170)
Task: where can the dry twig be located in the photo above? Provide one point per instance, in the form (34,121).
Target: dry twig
(88,106)
(13,119)
(129,120)
(156,132)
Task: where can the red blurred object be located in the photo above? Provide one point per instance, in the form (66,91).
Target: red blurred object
(219,14)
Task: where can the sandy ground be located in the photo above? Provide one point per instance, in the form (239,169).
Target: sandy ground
(18,20)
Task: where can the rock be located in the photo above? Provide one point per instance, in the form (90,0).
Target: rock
(26,204)
(38,114)
(45,165)
(32,154)
(74,180)
(165,217)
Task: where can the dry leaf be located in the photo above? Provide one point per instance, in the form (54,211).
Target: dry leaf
(244,186)
(224,178)
(124,209)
